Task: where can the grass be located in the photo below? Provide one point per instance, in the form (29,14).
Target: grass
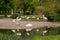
(52,37)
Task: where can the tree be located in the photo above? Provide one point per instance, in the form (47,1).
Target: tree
(25,5)
(4,6)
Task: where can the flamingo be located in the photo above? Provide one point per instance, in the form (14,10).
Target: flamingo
(28,29)
(44,17)
(44,32)
(29,25)
(17,19)
(19,34)
(13,31)
(14,20)
(20,19)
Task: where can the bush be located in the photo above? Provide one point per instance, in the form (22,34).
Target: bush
(15,15)
(2,16)
(53,17)
(52,31)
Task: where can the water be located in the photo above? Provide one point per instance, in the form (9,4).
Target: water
(9,35)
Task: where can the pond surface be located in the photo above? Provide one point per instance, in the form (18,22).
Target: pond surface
(9,35)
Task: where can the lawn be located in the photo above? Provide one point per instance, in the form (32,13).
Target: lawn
(52,37)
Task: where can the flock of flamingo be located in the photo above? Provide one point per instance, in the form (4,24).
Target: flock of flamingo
(27,25)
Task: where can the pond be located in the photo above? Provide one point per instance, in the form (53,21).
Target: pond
(6,34)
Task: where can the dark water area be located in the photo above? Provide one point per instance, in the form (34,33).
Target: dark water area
(6,34)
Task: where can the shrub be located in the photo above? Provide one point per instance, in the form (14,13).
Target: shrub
(53,17)
(2,16)
(15,15)
(52,31)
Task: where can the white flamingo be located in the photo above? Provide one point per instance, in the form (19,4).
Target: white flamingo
(28,29)
(44,17)
(17,19)
(45,31)
(20,19)
(19,34)
(14,20)
(13,31)
(29,25)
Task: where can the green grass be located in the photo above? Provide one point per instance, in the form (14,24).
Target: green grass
(52,37)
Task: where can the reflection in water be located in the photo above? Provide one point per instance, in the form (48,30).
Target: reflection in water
(27,35)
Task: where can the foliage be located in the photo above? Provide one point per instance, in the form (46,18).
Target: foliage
(5,6)
(2,16)
(15,15)
(34,6)
(50,8)
(53,17)
(29,5)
